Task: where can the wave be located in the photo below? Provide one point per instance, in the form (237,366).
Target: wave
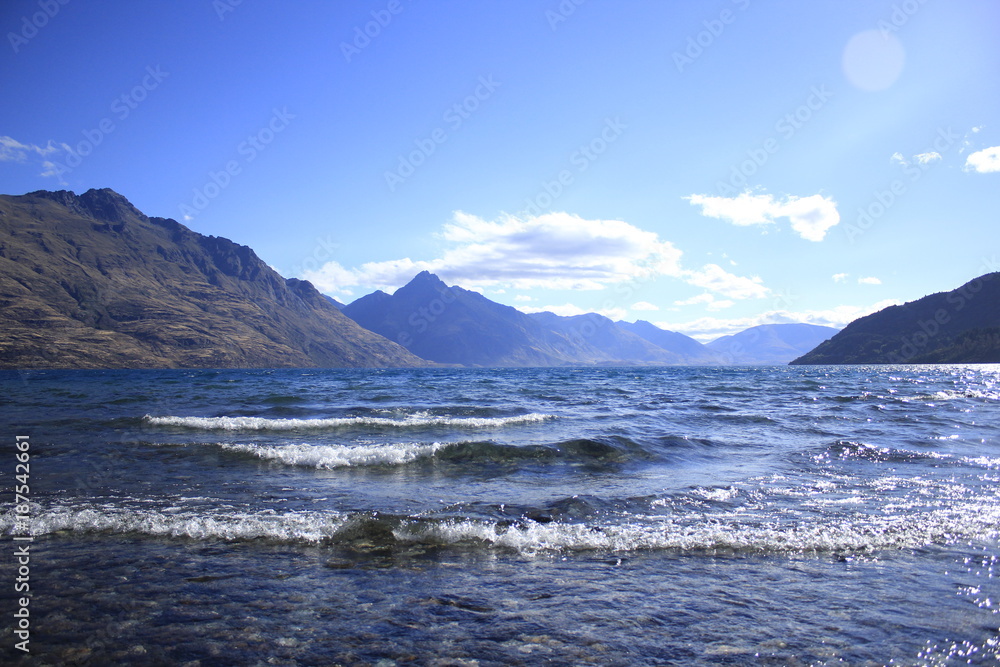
(291,527)
(849,450)
(634,533)
(415,420)
(394,454)
(336,456)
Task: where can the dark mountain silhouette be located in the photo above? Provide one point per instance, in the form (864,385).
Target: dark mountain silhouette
(457,326)
(688,349)
(769,343)
(960,326)
(88,281)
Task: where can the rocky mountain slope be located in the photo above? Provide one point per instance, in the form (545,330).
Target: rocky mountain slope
(88,281)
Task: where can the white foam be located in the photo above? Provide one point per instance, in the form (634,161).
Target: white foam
(859,535)
(721,532)
(310,527)
(337,456)
(417,419)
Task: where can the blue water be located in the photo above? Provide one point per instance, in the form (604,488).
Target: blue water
(773,515)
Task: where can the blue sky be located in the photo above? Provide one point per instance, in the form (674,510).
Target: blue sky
(705,166)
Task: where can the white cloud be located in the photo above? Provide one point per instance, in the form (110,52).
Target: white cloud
(927,158)
(810,216)
(708,300)
(716,279)
(12,150)
(706,329)
(554,251)
(523,298)
(839,277)
(986,161)
(869,281)
(742,210)
(644,305)
(898,158)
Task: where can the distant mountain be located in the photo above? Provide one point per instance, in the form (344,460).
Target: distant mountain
(598,339)
(769,343)
(961,326)
(88,281)
(457,326)
(686,348)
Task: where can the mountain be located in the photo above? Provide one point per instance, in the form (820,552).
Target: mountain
(598,339)
(89,281)
(457,326)
(960,326)
(688,349)
(769,343)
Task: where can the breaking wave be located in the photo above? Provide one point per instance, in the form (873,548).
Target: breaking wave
(394,454)
(720,533)
(415,420)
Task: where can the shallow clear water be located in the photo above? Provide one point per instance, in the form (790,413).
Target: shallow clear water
(774,515)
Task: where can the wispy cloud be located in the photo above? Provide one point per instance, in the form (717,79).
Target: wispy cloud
(871,280)
(986,161)
(839,277)
(707,300)
(919,158)
(12,150)
(644,305)
(811,217)
(716,279)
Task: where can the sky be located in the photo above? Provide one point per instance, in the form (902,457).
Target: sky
(704,166)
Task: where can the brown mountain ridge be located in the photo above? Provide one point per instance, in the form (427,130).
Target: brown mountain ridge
(89,281)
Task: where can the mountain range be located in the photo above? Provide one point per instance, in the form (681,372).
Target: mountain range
(960,326)
(88,281)
(452,325)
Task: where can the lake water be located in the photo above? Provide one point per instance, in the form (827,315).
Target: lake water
(620,516)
